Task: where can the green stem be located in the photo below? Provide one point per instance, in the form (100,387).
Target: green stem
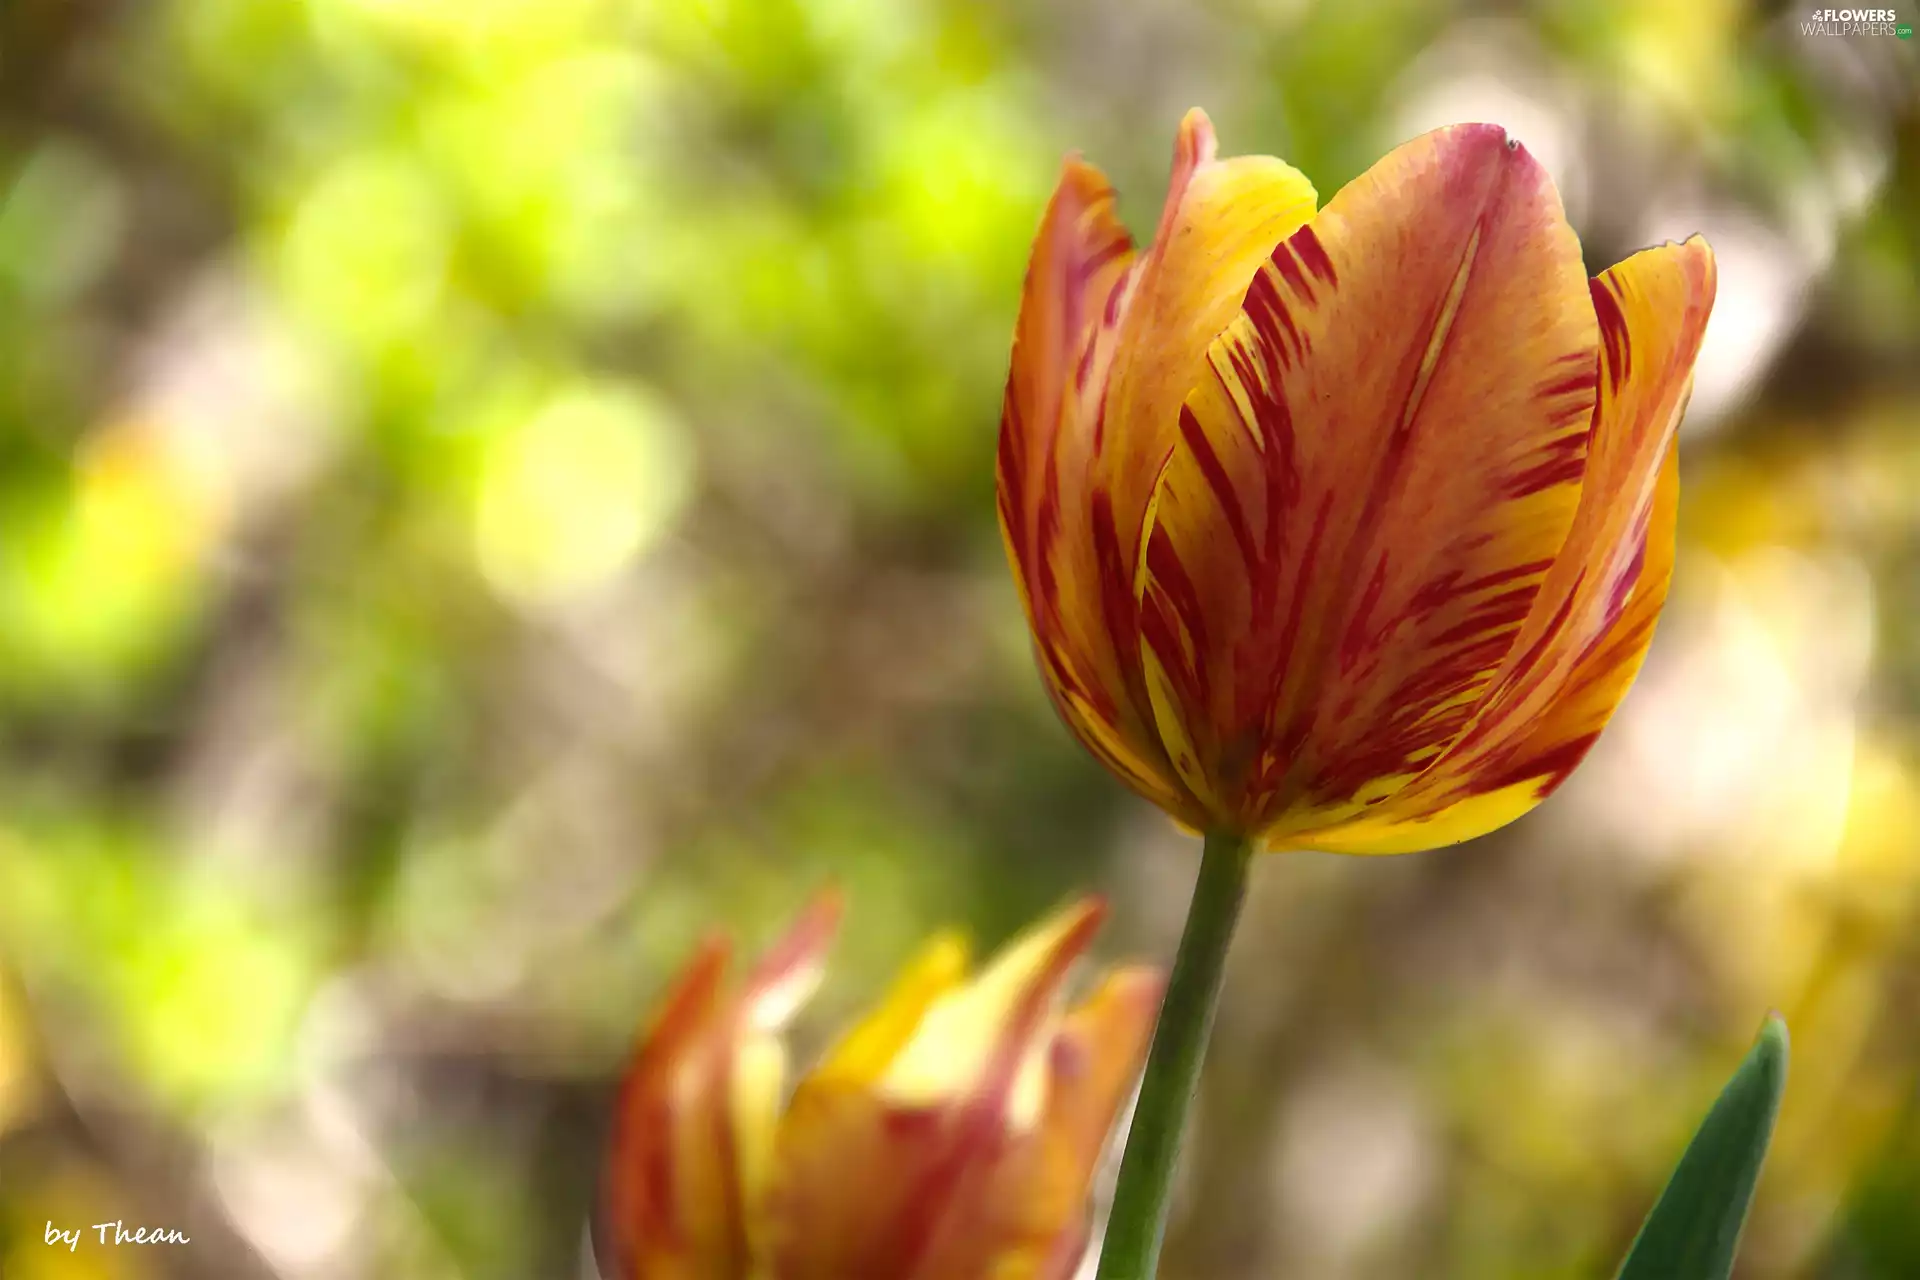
(1139,1218)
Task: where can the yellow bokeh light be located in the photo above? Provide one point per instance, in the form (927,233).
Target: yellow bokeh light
(573,493)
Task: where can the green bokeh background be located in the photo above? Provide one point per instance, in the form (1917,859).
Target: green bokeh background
(492,490)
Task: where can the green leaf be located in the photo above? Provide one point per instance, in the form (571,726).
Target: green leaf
(1694,1230)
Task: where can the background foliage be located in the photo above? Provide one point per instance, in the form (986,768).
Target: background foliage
(491,489)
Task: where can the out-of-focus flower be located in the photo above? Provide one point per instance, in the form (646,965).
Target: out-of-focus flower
(951,1135)
(1346,530)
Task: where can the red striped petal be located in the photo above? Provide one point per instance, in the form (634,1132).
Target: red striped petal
(674,1197)
(1221,221)
(663,1170)
(1591,624)
(1370,485)
(880,1177)
(1077,289)
(1106,346)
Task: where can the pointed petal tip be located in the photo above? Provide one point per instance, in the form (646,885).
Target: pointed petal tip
(829,904)
(1094,904)
(1039,960)
(706,970)
(808,938)
(1078,921)
(1483,145)
(823,912)
(790,970)
(1197,142)
(1139,986)
(684,1013)
(1082,177)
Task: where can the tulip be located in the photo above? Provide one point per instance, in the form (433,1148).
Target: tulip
(1343,530)
(950,1135)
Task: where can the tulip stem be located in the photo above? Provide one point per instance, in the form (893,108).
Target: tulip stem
(1139,1218)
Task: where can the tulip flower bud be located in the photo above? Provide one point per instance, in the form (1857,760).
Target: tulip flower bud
(950,1135)
(1346,529)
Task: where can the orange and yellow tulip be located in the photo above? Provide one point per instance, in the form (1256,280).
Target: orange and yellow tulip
(951,1135)
(1345,529)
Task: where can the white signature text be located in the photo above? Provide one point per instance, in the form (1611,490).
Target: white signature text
(115,1232)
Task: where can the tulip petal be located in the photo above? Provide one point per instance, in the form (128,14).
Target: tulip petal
(864,1053)
(1033,1220)
(1221,221)
(692,1141)
(665,1174)
(784,980)
(1076,292)
(1370,485)
(954,1047)
(1096,1059)
(1592,623)
(1106,346)
(789,972)
(889,1177)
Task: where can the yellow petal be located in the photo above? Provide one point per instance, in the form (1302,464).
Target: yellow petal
(1221,220)
(864,1053)
(1591,625)
(758,1083)
(784,979)
(888,1176)
(1106,347)
(1370,484)
(1095,1060)
(952,1049)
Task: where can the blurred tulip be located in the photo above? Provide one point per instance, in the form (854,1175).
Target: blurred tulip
(952,1135)
(1345,530)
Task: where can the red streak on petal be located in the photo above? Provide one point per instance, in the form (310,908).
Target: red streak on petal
(1174,600)
(975,1133)
(1291,271)
(1613,333)
(1224,492)
(1119,610)
(1307,245)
